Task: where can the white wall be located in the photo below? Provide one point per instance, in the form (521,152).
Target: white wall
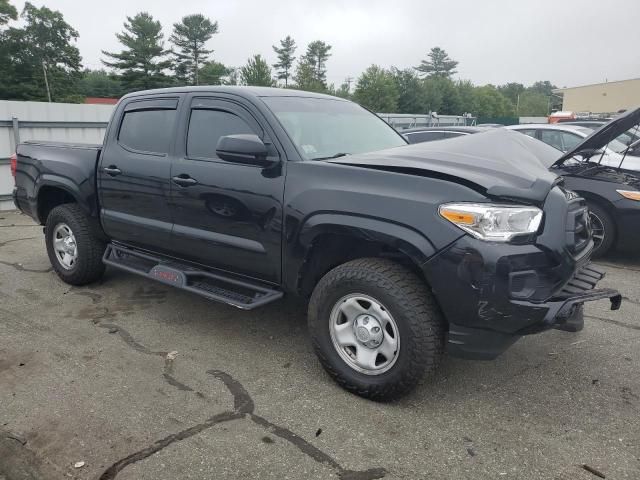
(533,120)
(45,112)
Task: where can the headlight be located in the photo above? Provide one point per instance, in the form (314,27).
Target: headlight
(630,194)
(495,223)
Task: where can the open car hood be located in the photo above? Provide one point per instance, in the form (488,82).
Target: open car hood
(609,131)
(500,162)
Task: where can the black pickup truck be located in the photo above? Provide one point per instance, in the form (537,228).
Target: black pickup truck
(243,194)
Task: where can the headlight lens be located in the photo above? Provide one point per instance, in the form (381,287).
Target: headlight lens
(495,223)
(630,194)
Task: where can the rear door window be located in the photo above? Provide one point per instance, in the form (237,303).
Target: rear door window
(147,131)
(553,138)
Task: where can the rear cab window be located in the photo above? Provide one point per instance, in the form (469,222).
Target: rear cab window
(147,126)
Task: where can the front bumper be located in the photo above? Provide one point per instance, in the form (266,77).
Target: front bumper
(492,294)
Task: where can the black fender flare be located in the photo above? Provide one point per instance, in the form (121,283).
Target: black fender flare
(410,242)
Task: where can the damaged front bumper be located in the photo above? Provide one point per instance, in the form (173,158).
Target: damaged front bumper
(493,294)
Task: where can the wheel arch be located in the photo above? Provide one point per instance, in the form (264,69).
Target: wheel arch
(52,193)
(603,202)
(330,239)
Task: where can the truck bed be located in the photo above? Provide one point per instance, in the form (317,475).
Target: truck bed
(43,164)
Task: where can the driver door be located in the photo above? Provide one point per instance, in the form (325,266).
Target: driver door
(226,215)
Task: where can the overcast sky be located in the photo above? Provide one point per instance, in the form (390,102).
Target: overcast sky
(568,42)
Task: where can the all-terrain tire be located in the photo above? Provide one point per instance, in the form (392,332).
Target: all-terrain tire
(88,267)
(411,304)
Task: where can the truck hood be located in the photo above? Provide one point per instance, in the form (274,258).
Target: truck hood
(609,131)
(499,162)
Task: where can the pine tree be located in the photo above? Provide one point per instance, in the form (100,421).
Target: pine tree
(143,61)
(190,37)
(438,65)
(285,58)
(256,72)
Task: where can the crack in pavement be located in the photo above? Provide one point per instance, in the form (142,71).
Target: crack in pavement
(614,322)
(243,407)
(2,244)
(21,268)
(16,225)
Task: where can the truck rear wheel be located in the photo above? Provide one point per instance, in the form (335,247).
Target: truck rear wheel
(375,328)
(74,251)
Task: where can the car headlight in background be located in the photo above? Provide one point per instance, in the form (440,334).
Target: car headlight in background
(495,223)
(630,194)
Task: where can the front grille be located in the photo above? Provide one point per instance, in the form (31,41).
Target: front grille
(578,227)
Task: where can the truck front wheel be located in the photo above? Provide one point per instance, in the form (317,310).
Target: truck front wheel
(375,328)
(74,251)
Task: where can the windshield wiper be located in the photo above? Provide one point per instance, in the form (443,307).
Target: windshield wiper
(337,155)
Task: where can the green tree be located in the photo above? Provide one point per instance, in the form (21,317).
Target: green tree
(286,58)
(411,94)
(344,91)
(305,78)
(39,61)
(316,57)
(512,91)
(466,94)
(544,87)
(491,103)
(376,90)
(533,104)
(447,95)
(214,73)
(190,37)
(7,12)
(99,83)
(438,65)
(256,72)
(143,61)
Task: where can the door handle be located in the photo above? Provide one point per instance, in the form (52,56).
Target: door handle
(112,170)
(184,180)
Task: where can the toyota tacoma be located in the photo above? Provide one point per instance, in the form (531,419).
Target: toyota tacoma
(245,194)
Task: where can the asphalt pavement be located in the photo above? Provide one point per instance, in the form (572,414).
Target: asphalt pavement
(131,379)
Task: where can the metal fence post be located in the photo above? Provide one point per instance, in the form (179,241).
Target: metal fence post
(16,130)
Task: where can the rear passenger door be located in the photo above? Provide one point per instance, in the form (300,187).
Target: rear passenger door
(227,215)
(133,173)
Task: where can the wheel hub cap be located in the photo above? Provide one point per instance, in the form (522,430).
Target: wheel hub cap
(368,331)
(364,334)
(64,246)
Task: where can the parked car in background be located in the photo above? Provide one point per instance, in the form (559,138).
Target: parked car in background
(629,138)
(490,125)
(566,137)
(601,176)
(429,134)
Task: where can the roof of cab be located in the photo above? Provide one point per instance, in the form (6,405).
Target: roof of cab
(236,90)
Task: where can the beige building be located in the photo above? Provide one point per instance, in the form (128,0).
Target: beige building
(601,97)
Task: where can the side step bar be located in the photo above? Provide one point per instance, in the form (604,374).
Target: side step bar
(214,286)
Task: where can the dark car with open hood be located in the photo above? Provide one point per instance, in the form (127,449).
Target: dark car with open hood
(245,194)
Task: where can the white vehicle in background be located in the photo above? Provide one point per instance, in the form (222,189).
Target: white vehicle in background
(567,137)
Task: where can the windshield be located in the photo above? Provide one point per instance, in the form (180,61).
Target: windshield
(324,128)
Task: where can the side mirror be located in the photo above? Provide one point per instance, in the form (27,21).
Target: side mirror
(243,148)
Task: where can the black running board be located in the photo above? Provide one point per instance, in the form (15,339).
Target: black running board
(213,286)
